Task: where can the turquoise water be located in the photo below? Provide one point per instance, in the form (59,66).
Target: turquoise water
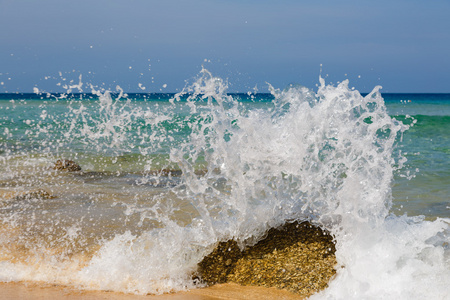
(36,121)
(426,146)
(166,176)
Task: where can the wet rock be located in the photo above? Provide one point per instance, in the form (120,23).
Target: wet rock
(67,165)
(219,264)
(28,197)
(38,194)
(297,257)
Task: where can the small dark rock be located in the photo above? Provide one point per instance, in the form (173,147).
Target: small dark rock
(39,195)
(68,165)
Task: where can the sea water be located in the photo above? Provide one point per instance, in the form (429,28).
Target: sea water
(166,176)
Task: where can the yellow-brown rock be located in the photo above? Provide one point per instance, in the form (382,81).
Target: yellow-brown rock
(297,257)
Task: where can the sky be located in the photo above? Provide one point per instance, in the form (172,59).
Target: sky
(161,46)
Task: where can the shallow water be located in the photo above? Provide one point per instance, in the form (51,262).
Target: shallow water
(165,177)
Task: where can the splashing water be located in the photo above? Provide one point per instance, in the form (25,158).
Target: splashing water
(163,181)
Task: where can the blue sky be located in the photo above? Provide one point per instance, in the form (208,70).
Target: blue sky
(403,46)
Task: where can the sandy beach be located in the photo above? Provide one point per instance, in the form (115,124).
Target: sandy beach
(28,291)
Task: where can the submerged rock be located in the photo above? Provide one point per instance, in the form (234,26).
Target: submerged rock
(297,257)
(68,165)
(166,172)
(38,194)
(31,196)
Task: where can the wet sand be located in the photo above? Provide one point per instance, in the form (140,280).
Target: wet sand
(230,291)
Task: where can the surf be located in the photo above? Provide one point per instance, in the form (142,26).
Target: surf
(162,182)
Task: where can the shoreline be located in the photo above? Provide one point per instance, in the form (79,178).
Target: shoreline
(230,291)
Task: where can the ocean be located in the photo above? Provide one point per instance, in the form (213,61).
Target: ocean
(164,177)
